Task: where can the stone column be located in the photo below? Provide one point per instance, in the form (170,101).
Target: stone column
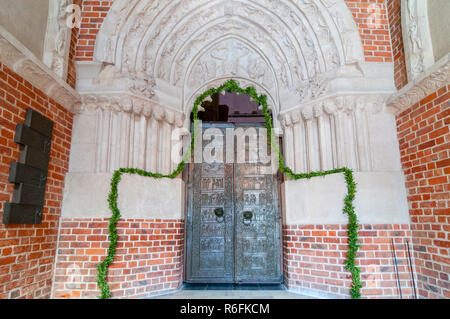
(324,140)
(125,126)
(288,140)
(158,115)
(139,135)
(340,136)
(166,141)
(148,113)
(330,108)
(104,134)
(178,124)
(350,135)
(299,142)
(114,143)
(362,135)
(307,113)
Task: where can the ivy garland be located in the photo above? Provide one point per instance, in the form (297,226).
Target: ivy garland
(232,86)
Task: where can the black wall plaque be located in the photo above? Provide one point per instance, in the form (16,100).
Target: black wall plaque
(27,136)
(22,214)
(20,173)
(39,123)
(30,173)
(28,194)
(30,157)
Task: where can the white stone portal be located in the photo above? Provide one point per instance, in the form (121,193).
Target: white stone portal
(154,58)
(282,45)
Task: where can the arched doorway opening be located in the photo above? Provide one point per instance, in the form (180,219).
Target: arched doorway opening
(233,224)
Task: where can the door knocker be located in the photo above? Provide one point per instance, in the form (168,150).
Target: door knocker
(219,214)
(247,217)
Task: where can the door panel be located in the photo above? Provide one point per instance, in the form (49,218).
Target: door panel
(257,234)
(210,243)
(232,248)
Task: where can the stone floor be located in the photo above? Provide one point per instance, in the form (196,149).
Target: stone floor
(233,292)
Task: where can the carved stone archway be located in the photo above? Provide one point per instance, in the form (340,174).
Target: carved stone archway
(290,48)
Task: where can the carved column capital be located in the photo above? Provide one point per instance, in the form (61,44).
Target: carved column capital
(158,113)
(318,109)
(330,107)
(307,112)
(138,107)
(296,116)
(340,103)
(179,120)
(126,104)
(285,120)
(170,117)
(147,111)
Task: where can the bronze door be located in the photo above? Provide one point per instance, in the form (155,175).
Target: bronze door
(233,230)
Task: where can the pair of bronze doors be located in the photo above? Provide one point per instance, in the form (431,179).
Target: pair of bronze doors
(233,221)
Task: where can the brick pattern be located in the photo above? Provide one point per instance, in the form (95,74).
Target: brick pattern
(92,15)
(398,51)
(27,252)
(373,24)
(370,16)
(149,257)
(424,140)
(314,257)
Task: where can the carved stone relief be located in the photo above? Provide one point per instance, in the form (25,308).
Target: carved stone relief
(288,50)
(416,32)
(319,134)
(57,38)
(298,39)
(433,79)
(139,130)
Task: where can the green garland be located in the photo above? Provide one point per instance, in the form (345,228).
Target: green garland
(232,86)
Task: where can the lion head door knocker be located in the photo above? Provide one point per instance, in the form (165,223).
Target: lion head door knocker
(219,214)
(248,215)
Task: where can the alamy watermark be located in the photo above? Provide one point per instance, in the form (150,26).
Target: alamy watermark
(227,145)
(73,18)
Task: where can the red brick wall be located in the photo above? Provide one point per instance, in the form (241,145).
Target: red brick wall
(395,22)
(149,257)
(92,15)
(375,37)
(424,139)
(314,258)
(27,252)
(372,20)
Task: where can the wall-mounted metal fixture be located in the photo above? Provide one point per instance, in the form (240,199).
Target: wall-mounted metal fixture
(30,172)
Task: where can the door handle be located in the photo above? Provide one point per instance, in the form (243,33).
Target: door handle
(247,217)
(219,214)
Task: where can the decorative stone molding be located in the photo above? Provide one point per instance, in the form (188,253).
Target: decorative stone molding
(143,85)
(416,32)
(183,44)
(124,102)
(433,79)
(20,60)
(311,89)
(334,103)
(331,133)
(57,38)
(122,130)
